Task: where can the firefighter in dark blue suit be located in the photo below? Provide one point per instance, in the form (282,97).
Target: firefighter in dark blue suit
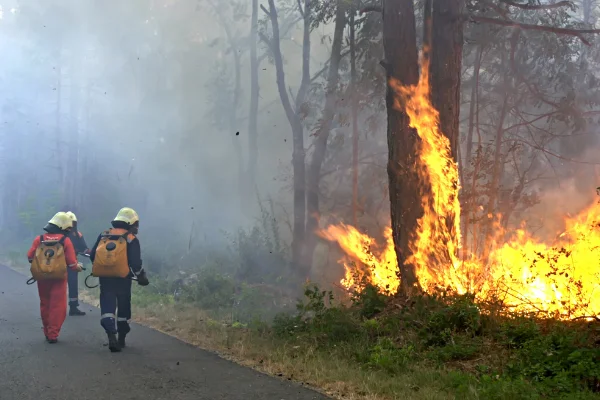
(80,247)
(116,259)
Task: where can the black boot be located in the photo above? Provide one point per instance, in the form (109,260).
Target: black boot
(113,344)
(122,340)
(75,312)
(123,328)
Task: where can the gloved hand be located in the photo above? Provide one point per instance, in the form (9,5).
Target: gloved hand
(79,267)
(143,279)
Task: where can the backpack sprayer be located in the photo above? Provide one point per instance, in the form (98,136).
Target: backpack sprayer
(90,275)
(32,280)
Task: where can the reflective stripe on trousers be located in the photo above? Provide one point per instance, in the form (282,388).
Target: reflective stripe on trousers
(72,278)
(115,301)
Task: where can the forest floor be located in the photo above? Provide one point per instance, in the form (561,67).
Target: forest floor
(433,347)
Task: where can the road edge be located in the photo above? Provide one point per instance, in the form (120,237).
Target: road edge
(88,300)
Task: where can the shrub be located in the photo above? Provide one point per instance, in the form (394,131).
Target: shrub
(459,316)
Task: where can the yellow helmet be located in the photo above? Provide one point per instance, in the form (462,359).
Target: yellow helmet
(62,220)
(127,215)
(72,215)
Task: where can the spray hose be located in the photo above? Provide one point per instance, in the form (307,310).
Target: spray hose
(93,287)
(92,275)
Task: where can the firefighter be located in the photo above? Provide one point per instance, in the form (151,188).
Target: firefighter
(51,255)
(116,259)
(80,247)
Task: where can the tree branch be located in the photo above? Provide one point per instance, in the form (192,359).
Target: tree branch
(371,9)
(278,58)
(537,6)
(267,41)
(265,10)
(326,66)
(559,31)
(300,8)
(499,10)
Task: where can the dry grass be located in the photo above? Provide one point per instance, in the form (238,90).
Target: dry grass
(330,374)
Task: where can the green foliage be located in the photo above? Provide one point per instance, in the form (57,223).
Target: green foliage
(369,301)
(561,359)
(389,357)
(516,333)
(459,316)
(510,358)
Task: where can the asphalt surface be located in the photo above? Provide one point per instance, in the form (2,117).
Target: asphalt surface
(80,366)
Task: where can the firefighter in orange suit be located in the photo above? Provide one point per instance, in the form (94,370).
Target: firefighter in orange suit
(51,255)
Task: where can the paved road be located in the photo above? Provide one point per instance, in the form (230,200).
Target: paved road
(80,367)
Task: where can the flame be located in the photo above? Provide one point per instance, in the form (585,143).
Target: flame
(560,279)
(382,270)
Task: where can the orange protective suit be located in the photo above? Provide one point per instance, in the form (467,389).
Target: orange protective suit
(53,292)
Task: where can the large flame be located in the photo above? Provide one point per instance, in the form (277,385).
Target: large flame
(561,279)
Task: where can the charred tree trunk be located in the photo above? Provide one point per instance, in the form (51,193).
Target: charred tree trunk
(321,137)
(254,93)
(445,73)
(445,67)
(401,63)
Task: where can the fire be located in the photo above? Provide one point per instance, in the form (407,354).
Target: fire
(560,279)
(382,270)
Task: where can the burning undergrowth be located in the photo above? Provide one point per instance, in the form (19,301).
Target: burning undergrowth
(559,280)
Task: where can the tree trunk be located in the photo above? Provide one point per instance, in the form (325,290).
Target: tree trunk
(72,162)
(401,62)
(298,154)
(233,127)
(354,111)
(59,159)
(469,201)
(474,96)
(445,67)
(254,93)
(588,6)
(321,137)
(496,172)
(445,74)
(233,122)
